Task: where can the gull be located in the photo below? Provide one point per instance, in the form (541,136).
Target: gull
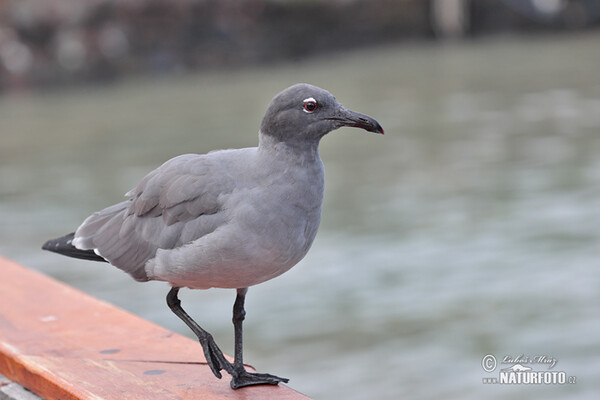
(226,219)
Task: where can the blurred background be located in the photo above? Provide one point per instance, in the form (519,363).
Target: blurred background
(470,228)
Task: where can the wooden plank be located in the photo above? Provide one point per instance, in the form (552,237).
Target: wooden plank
(63,344)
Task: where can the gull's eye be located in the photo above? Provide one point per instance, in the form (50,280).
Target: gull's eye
(310,105)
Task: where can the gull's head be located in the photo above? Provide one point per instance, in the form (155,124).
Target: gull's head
(306,112)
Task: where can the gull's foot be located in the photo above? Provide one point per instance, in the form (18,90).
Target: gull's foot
(215,358)
(245,378)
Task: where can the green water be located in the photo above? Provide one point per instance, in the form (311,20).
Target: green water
(470,228)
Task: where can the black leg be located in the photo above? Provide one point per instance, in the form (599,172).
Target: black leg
(241,377)
(239,314)
(214,356)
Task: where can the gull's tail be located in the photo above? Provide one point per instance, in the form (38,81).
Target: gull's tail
(64,245)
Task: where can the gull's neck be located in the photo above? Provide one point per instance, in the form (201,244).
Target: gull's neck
(303,150)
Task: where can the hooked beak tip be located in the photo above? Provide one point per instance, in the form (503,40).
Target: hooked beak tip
(379,129)
(368,124)
(358,120)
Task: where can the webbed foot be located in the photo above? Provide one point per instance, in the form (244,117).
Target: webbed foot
(244,378)
(215,358)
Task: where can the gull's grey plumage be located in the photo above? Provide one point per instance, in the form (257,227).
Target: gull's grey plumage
(229,218)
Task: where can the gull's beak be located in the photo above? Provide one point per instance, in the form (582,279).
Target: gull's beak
(354,119)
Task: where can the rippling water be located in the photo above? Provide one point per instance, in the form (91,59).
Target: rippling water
(470,228)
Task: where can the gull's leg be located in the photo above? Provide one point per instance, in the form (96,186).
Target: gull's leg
(214,356)
(241,377)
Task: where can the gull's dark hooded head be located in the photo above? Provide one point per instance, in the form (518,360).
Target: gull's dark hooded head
(305,112)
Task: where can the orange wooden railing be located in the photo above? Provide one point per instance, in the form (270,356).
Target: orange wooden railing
(63,344)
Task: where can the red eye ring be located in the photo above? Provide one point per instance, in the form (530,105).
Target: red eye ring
(310,105)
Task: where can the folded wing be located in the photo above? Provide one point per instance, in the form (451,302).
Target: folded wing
(175,204)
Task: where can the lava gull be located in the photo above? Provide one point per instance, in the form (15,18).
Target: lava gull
(225,219)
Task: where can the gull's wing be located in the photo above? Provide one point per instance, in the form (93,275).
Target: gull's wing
(175,204)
